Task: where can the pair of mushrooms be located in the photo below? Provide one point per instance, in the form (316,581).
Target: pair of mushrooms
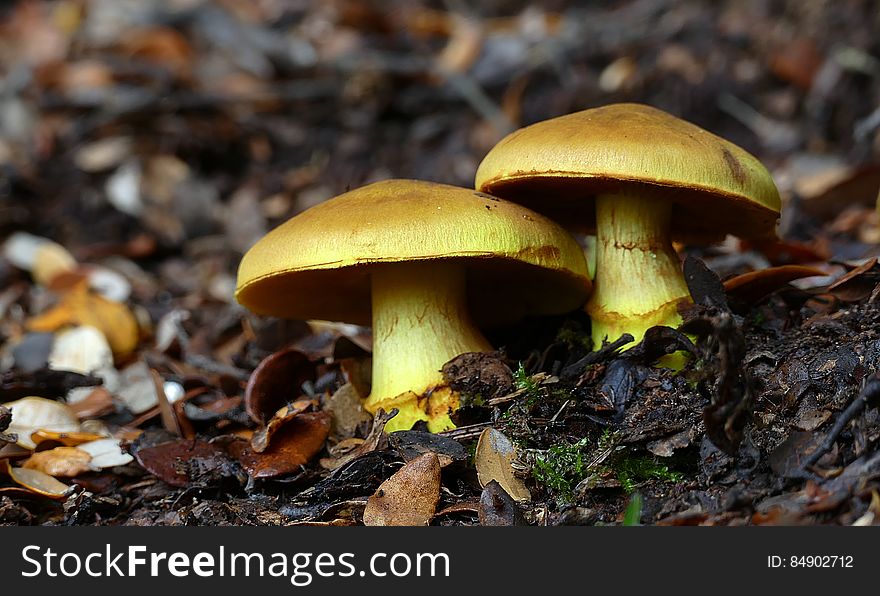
(428,265)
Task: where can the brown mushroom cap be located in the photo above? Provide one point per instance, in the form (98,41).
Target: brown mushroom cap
(557,166)
(317,264)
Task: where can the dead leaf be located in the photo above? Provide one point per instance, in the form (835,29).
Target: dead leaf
(61,461)
(30,414)
(493,459)
(858,283)
(38,482)
(106,453)
(67,439)
(409,497)
(168,460)
(43,258)
(346,408)
(497,508)
(751,287)
(292,446)
(261,438)
(375,440)
(82,349)
(81,306)
(276,381)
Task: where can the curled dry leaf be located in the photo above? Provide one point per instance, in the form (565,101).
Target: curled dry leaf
(753,286)
(276,381)
(71,439)
(376,439)
(857,284)
(30,414)
(494,461)
(261,438)
(38,482)
(293,446)
(61,461)
(80,306)
(409,497)
(346,408)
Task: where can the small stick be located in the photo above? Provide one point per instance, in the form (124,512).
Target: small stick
(869,393)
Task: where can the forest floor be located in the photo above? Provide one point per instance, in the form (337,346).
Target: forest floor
(144,146)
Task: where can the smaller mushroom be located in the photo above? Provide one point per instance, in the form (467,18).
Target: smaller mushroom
(427,265)
(640,178)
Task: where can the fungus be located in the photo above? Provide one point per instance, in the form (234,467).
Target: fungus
(426,264)
(640,178)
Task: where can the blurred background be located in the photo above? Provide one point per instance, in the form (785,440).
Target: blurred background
(160,123)
(161,138)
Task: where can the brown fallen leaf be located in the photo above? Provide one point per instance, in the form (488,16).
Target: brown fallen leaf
(858,283)
(751,287)
(61,461)
(292,446)
(168,460)
(376,439)
(409,497)
(494,461)
(261,438)
(81,306)
(275,382)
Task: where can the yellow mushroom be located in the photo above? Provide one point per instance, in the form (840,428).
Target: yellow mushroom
(427,265)
(640,178)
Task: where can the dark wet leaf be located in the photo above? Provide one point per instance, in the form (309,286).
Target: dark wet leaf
(789,458)
(658,342)
(703,283)
(411,444)
(43,382)
(497,508)
(169,461)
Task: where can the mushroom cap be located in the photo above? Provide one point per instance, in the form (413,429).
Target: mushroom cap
(317,264)
(558,166)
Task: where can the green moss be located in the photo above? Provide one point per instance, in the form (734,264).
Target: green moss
(524,382)
(633,470)
(574,336)
(561,467)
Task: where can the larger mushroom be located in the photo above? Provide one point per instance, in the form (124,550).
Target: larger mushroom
(426,264)
(639,177)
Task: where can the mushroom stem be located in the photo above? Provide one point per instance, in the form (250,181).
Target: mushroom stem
(420,322)
(638,279)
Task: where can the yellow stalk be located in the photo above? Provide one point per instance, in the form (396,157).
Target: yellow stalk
(420,322)
(638,279)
